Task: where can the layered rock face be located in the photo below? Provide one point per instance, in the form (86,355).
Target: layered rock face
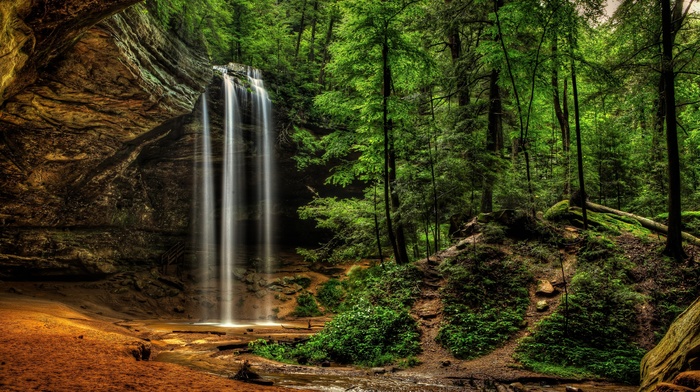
(674,364)
(96,166)
(34,33)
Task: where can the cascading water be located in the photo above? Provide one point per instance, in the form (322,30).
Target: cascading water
(205,196)
(232,190)
(262,110)
(231,236)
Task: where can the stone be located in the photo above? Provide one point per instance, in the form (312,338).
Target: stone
(325,364)
(689,379)
(676,350)
(545,288)
(179,309)
(569,388)
(542,306)
(139,350)
(446,363)
(667,387)
(517,387)
(377,370)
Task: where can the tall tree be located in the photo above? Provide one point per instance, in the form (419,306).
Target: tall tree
(674,241)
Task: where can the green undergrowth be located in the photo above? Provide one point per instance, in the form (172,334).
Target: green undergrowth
(306,306)
(373,326)
(485,299)
(591,333)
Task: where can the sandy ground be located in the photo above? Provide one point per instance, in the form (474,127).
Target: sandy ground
(48,346)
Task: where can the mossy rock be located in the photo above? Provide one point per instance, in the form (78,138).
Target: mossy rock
(676,352)
(558,211)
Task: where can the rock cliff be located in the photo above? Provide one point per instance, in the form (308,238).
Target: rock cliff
(96,167)
(677,352)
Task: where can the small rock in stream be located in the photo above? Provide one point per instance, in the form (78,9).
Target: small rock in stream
(573,389)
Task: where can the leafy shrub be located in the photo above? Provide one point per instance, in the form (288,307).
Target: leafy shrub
(366,335)
(392,285)
(330,294)
(306,306)
(374,326)
(484,300)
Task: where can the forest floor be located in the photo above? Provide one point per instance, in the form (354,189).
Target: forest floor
(48,346)
(67,336)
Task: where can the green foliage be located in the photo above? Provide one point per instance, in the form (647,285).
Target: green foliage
(493,233)
(484,301)
(593,333)
(391,285)
(306,306)
(373,328)
(350,220)
(331,294)
(303,281)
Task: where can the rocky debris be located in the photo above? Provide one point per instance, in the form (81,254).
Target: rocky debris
(517,387)
(675,353)
(139,350)
(545,289)
(245,374)
(542,306)
(377,370)
(569,388)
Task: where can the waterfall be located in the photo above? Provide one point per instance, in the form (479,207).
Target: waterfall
(262,111)
(231,238)
(233,204)
(207,235)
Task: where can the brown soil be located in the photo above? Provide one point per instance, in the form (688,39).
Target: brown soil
(48,346)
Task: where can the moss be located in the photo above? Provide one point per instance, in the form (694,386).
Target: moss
(558,211)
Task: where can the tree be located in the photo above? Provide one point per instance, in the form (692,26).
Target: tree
(674,241)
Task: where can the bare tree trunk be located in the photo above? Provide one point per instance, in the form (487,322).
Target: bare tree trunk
(493,136)
(674,242)
(577,120)
(562,119)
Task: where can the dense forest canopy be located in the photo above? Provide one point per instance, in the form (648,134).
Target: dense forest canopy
(447,108)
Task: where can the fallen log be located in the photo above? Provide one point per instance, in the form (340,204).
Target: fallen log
(648,223)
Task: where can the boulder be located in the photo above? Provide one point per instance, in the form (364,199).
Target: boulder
(542,306)
(545,288)
(667,387)
(689,379)
(676,351)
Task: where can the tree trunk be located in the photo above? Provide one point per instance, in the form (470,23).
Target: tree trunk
(386,125)
(674,242)
(494,139)
(577,120)
(312,54)
(395,202)
(562,119)
(377,229)
(301,29)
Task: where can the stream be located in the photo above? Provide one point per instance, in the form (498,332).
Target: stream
(222,350)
